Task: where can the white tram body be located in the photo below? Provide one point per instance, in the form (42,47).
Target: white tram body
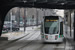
(52,29)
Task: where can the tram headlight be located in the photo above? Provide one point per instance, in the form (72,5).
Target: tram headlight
(46,36)
(56,37)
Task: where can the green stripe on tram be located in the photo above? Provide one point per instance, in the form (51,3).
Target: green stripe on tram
(42,35)
(60,36)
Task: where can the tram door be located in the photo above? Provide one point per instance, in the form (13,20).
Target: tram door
(61,28)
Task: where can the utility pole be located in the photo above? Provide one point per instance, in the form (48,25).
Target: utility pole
(44,11)
(11,21)
(24,19)
(36,17)
(19,17)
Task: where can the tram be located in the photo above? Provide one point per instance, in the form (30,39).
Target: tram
(52,29)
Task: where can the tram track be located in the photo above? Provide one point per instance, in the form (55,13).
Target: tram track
(45,44)
(30,35)
(40,47)
(10,44)
(7,44)
(59,46)
(21,48)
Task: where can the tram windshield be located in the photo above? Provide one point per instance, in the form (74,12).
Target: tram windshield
(51,27)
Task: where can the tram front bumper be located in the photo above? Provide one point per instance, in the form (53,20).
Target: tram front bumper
(53,40)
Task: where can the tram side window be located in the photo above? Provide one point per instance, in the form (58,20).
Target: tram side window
(61,28)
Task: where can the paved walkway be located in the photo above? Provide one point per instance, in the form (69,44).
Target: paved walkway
(16,35)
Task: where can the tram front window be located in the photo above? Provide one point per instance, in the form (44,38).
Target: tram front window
(51,27)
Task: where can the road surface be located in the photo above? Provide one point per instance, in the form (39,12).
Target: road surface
(33,42)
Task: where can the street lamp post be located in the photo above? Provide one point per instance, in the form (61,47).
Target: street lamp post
(24,19)
(44,11)
(11,22)
(37,17)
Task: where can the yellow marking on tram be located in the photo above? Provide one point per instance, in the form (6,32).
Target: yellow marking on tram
(50,20)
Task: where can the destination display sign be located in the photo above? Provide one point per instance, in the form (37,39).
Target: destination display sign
(48,20)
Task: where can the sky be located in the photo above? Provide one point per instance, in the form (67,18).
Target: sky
(60,13)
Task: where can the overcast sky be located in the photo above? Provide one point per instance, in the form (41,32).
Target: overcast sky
(60,13)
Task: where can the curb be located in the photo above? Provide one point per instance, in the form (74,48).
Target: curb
(3,38)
